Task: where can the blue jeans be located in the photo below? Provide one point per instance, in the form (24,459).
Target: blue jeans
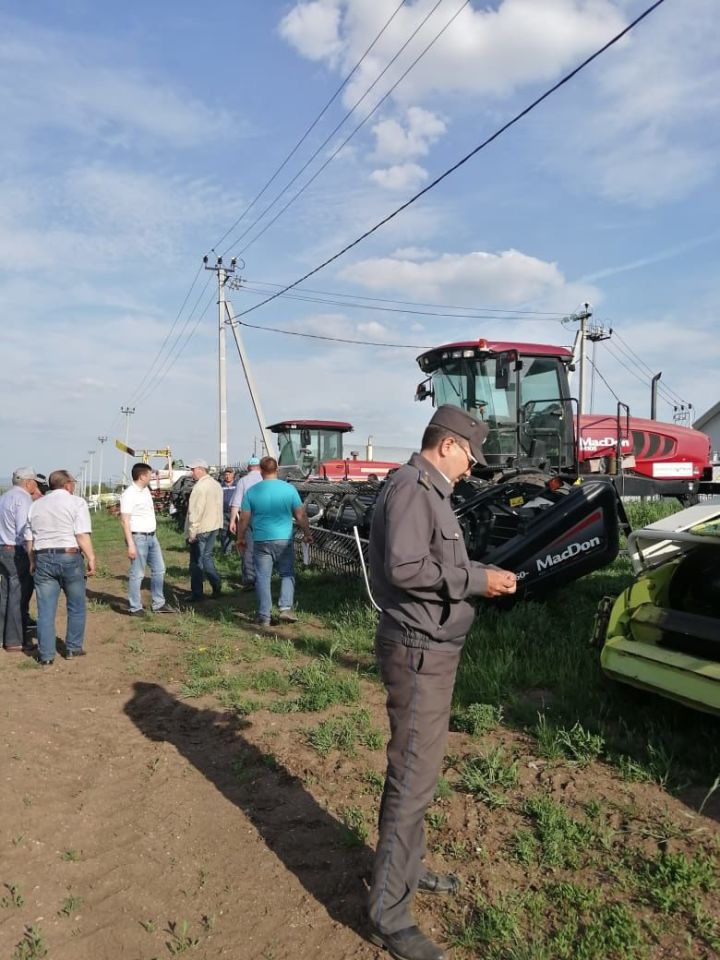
(267,554)
(55,572)
(148,554)
(202,564)
(248,560)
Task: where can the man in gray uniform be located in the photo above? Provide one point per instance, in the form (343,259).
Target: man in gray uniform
(422,580)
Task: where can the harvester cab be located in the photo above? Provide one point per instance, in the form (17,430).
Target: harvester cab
(313,450)
(520,390)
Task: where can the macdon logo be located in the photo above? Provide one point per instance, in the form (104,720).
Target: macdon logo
(570,551)
(594,443)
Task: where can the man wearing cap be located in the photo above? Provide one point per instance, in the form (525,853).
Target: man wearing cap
(203,522)
(58,537)
(252,477)
(16,583)
(137,515)
(229,486)
(423,582)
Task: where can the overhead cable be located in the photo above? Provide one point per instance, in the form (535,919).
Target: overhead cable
(309,130)
(414,303)
(642,363)
(481,146)
(358,127)
(345,304)
(335,130)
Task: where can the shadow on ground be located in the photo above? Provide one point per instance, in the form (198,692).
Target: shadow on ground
(304,836)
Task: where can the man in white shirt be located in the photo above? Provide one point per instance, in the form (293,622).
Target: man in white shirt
(58,537)
(203,522)
(16,583)
(137,515)
(252,477)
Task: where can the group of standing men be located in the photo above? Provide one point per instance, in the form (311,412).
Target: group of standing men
(46,545)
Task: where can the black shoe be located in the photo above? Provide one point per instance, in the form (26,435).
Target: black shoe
(166,608)
(247,587)
(74,654)
(136,613)
(44,663)
(262,621)
(439,883)
(198,599)
(407,944)
(216,594)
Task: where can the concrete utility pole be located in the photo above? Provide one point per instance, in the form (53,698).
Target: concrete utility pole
(250,380)
(222,274)
(91,454)
(583,316)
(127,412)
(102,449)
(84,478)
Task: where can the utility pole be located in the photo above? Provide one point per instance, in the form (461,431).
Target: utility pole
(583,316)
(127,412)
(84,478)
(250,380)
(91,454)
(595,333)
(222,274)
(102,449)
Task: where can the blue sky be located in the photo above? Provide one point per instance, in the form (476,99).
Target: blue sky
(135,134)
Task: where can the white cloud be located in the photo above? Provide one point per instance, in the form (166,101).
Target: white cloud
(313,29)
(484,51)
(505,279)
(402,176)
(395,141)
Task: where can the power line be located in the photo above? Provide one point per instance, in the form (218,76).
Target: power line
(139,387)
(332,134)
(595,370)
(356,128)
(415,303)
(319,336)
(309,130)
(171,359)
(403,310)
(519,116)
(635,374)
(650,371)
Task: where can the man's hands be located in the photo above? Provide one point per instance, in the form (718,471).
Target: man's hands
(132,551)
(500,583)
(308,536)
(91,566)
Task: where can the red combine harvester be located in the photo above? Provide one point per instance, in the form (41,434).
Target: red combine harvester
(548,505)
(522,391)
(313,450)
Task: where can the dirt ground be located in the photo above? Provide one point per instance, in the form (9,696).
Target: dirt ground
(137,824)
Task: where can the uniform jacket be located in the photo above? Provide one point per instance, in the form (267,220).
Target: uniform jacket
(421,575)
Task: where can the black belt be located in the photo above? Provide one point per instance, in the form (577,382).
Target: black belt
(143,534)
(58,550)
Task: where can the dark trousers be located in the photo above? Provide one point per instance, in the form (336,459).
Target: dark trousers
(419,687)
(15,592)
(202,564)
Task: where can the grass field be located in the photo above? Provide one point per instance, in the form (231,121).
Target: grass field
(569,804)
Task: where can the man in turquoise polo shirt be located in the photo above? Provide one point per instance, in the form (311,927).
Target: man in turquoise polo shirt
(271,506)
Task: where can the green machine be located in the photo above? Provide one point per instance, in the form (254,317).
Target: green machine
(663,632)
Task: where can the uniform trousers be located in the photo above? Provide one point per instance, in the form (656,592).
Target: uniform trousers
(419,687)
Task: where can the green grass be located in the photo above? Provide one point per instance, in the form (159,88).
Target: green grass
(345,733)
(488,776)
(32,946)
(562,840)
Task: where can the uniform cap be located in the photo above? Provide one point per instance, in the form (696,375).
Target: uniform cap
(23,473)
(253,462)
(198,463)
(460,422)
